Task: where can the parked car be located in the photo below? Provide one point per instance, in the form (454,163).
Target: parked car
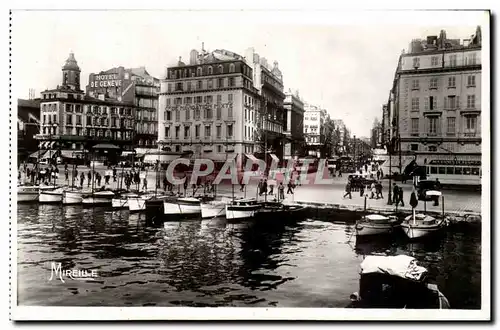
(423,186)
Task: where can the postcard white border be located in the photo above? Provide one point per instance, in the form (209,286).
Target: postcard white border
(184,313)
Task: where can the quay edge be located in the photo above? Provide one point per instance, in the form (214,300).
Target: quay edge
(324,210)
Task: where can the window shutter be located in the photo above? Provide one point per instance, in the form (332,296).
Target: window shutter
(435,101)
(426,103)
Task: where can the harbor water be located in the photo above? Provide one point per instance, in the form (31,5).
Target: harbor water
(308,263)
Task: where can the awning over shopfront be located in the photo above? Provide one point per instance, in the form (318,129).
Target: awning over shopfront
(69,153)
(106,146)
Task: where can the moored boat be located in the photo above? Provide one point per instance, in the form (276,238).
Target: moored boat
(421,225)
(137,203)
(182,206)
(27,194)
(103,197)
(279,210)
(50,195)
(215,208)
(396,282)
(376,224)
(121,201)
(72,197)
(242,209)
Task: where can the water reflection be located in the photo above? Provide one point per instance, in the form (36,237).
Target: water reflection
(308,263)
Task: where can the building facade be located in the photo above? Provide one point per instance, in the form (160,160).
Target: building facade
(294,125)
(134,86)
(71,122)
(209,107)
(28,127)
(340,136)
(437,100)
(376,139)
(268,82)
(314,128)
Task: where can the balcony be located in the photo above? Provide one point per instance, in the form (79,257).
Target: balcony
(470,134)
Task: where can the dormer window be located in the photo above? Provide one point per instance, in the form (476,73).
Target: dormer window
(221,69)
(198,71)
(231,68)
(210,70)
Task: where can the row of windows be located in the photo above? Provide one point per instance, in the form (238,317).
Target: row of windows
(451,62)
(207,130)
(146,128)
(188,86)
(434,124)
(449,102)
(206,70)
(70,96)
(207,99)
(452,82)
(208,113)
(453,170)
(79,131)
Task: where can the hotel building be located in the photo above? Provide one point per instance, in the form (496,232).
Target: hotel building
(209,107)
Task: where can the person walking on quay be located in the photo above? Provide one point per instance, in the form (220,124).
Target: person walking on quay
(378,175)
(259,186)
(281,191)
(373,191)
(271,187)
(89,179)
(340,172)
(290,188)
(106,179)
(378,187)
(348,190)
(99,177)
(400,197)
(82,178)
(66,174)
(361,189)
(437,186)
(145,184)
(395,193)
(165,182)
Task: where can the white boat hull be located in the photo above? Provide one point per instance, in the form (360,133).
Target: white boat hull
(417,232)
(119,203)
(50,196)
(213,210)
(72,197)
(26,196)
(136,204)
(98,198)
(369,229)
(177,208)
(241,212)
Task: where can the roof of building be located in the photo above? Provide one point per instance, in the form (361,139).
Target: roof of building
(71,63)
(27,109)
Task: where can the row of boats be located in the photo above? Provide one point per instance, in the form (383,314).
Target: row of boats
(169,205)
(416,225)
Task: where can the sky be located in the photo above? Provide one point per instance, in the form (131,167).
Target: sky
(342,61)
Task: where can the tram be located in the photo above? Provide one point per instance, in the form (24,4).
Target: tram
(455,172)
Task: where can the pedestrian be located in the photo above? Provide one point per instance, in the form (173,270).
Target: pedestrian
(145,184)
(401,197)
(340,172)
(259,186)
(381,174)
(89,177)
(82,178)
(99,177)
(165,182)
(373,190)
(281,191)
(378,175)
(348,190)
(395,194)
(378,186)
(362,190)
(242,185)
(264,187)
(271,187)
(290,188)
(66,174)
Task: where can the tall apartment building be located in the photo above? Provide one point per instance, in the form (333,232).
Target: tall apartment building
(72,122)
(340,127)
(269,83)
(209,107)
(314,128)
(294,125)
(436,100)
(134,86)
